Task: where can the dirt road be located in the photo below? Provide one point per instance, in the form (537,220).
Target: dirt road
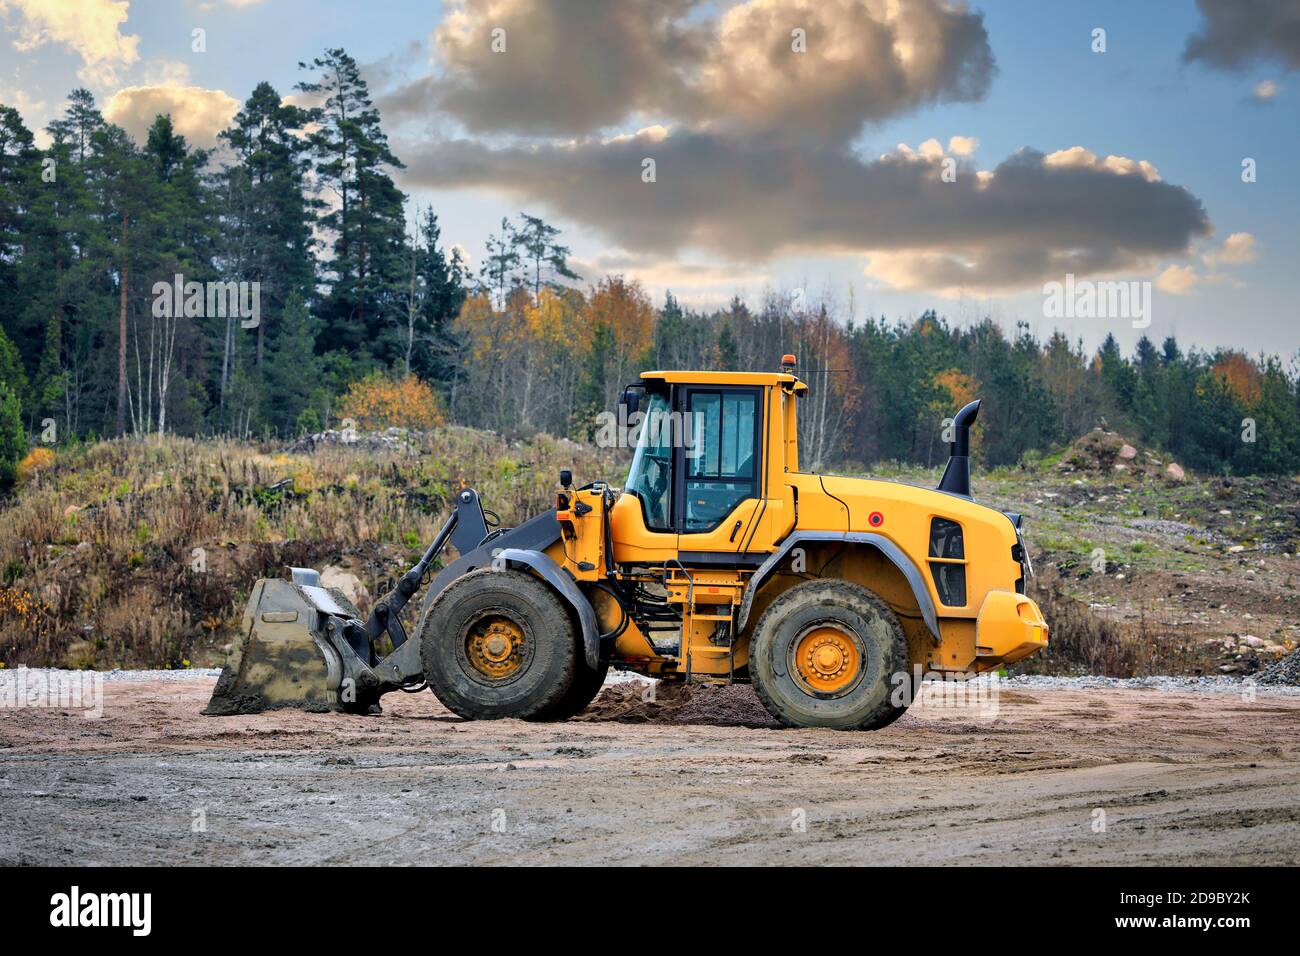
(1180,777)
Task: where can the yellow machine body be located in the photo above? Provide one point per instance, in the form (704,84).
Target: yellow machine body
(993,624)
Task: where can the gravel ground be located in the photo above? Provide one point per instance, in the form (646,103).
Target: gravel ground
(1288,667)
(1194,773)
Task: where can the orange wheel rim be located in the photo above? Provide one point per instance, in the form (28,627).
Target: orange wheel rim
(495,646)
(828,660)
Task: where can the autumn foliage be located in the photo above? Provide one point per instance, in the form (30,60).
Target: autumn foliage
(36,461)
(1241,377)
(380,401)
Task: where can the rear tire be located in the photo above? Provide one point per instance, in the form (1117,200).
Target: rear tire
(830,654)
(499,644)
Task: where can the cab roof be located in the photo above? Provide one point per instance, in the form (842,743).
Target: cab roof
(726,378)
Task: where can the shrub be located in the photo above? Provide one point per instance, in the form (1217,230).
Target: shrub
(37,461)
(379,401)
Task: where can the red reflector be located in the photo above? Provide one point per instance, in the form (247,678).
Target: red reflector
(876,519)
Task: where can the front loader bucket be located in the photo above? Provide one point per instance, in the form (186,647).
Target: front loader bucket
(305,647)
(282,661)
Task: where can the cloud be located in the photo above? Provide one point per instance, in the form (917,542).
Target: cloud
(570,69)
(1239,33)
(1183,279)
(963,145)
(657,273)
(198,114)
(1265,90)
(1237,248)
(1077,157)
(566,67)
(863,60)
(90,28)
(1177,280)
(745,200)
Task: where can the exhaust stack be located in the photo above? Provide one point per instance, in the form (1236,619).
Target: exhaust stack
(956,477)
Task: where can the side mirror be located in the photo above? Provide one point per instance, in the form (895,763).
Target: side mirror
(631,400)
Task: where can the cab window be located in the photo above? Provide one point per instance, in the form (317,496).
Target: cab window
(722,456)
(650,476)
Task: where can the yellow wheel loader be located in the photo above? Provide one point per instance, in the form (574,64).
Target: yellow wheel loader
(719,560)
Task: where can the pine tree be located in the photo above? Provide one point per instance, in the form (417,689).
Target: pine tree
(128,201)
(292,370)
(590,397)
(727,351)
(79,124)
(51,380)
(13,439)
(66,281)
(437,291)
(501,271)
(363,311)
(11,367)
(268,212)
(547,260)
(19,175)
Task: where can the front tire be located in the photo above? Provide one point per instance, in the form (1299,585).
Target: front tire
(826,654)
(586,685)
(499,644)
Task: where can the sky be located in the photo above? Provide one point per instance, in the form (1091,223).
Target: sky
(912,155)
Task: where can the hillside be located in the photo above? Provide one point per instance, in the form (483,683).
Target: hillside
(135,554)
(131,553)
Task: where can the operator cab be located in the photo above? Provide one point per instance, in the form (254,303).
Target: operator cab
(698,469)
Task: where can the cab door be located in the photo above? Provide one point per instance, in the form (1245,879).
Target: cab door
(718,486)
(643,527)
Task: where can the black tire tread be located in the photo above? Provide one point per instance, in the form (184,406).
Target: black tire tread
(586,685)
(843,593)
(554,624)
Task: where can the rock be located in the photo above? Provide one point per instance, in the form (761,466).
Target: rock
(1252,640)
(1284,671)
(1127,452)
(390,439)
(1174,472)
(347,582)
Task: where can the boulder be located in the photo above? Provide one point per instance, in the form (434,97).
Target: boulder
(1174,472)
(347,582)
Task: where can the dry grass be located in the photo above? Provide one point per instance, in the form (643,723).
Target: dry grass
(142,553)
(1083,642)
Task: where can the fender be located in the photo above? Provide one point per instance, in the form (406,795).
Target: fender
(536,534)
(528,539)
(563,582)
(882,544)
